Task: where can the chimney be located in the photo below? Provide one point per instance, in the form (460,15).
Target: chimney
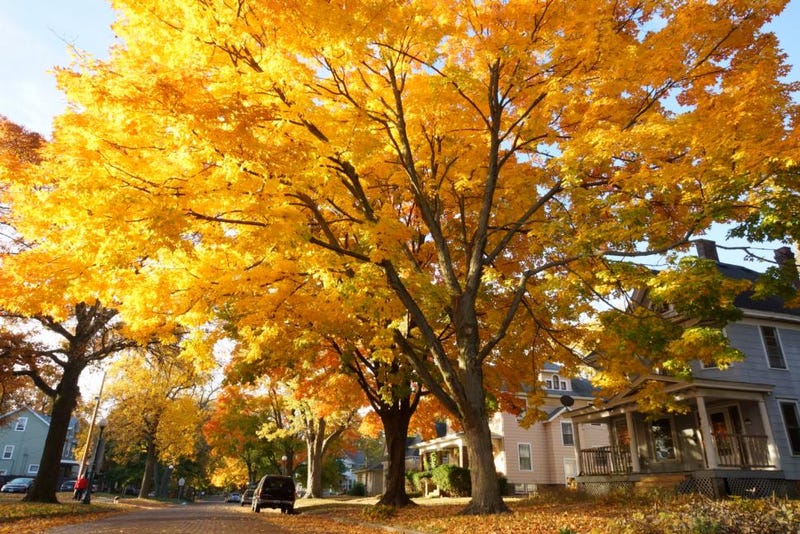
(784,257)
(706,249)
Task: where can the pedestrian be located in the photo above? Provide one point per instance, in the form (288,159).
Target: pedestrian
(80,486)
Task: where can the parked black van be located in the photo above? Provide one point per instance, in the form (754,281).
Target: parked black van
(274,491)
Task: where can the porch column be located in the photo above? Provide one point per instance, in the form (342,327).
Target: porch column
(633,444)
(576,443)
(774,458)
(705,431)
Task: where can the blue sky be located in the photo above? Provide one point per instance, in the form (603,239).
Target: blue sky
(35,35)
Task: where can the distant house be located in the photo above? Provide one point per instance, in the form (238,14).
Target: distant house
(540,456)
(373,474)
(22,435)
(740,434)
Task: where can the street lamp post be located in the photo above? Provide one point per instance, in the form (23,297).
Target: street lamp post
(283,460)
(87,495)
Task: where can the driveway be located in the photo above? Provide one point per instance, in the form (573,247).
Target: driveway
(194,518)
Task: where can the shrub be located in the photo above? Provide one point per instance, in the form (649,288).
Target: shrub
(416,479)
(502,483)
(358,490)
(452,480)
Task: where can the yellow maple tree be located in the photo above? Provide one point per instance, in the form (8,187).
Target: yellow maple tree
(492,163)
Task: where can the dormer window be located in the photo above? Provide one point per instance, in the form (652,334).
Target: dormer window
(555,382)
(558,383)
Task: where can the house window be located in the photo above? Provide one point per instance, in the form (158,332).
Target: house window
(525,463)
(556,382)
(566,434)
(22,422)
(8,452)
(792,423)
(33,469)
(663,446)
(549,384)
(772,346)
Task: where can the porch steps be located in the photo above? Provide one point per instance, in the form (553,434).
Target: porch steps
(668,481)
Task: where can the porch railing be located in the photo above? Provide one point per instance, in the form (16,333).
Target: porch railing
(742,450)
(606,460)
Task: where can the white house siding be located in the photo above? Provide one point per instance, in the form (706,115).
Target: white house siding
(746,337)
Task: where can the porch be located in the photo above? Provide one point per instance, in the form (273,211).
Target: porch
(742,451)
(721,435)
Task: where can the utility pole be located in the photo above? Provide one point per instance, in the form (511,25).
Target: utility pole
(82,470)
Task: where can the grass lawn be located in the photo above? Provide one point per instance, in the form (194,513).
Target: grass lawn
(563,512)
(17,516)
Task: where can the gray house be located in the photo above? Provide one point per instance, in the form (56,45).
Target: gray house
(741,433)
(22,435)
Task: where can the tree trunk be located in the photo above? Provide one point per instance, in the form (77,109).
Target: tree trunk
(46,483)
(314,443)
(486,498)
(395,427)
(149,467)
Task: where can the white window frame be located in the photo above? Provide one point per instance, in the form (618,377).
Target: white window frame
(530,456)
(21,424)
(777,337)
(33,469)
(8,452)
(781,403)
(571,433)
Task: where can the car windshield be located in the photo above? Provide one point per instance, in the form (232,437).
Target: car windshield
(20,481)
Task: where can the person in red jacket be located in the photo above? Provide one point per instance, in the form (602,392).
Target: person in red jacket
(80,486)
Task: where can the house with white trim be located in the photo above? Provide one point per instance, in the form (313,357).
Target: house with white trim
(22,435)
(532,458)
(740,434)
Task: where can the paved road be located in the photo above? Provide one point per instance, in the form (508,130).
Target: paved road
(197,518)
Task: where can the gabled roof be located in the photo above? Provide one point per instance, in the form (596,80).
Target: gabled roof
(44,419)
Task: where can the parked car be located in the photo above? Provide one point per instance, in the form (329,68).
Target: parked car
(67,485)
(247,497)
(234,496)
(17,485)
(274,491)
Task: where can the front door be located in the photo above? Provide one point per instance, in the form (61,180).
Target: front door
(724,425)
